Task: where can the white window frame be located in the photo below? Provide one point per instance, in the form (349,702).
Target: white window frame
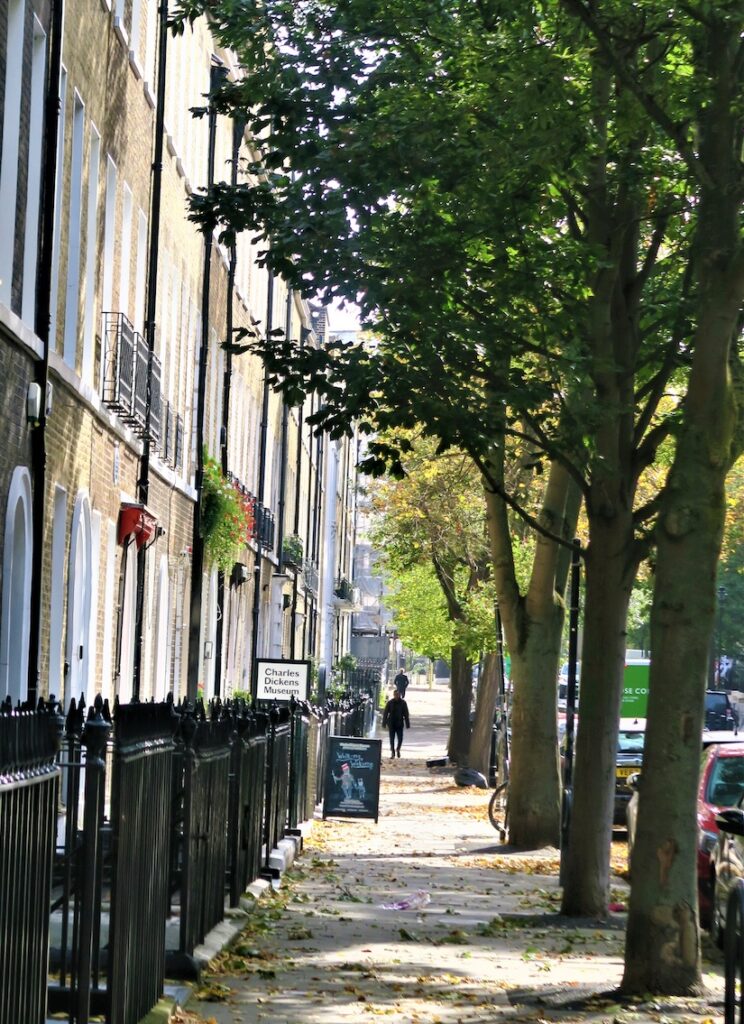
(140,273)
(91,253)
(33,180)
(74,232)
(57,244)
(11,146)
(126,250)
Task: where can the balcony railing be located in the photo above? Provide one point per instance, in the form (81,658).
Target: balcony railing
(127,364)
(120,340)
(265,526)
(310,575)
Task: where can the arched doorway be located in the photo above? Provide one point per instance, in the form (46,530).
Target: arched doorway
(16,599)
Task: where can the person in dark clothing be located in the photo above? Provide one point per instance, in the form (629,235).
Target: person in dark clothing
(401,683)
(394,717)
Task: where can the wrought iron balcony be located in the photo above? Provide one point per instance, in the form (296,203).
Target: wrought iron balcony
(120,341)
(265,526)
(310,575)
(127,365)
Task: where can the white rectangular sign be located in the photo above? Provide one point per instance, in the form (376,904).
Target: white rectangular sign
(282,680)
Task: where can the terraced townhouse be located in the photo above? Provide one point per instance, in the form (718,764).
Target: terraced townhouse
(113,379)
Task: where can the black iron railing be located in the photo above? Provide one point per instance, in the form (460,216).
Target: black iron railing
(28,800)
(127,364)
(265,526)
(164,809)
(141,837)
(277,781)
(120,340)
(310,575)
(205,764)
(245,823)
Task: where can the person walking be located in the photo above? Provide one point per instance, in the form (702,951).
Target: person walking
(394,717)
(401,683)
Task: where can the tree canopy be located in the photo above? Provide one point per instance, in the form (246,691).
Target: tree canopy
(538,209)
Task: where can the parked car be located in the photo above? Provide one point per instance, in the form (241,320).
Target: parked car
(628,762)
(721,786)
(719,711)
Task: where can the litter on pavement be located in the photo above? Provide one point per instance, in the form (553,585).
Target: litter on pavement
(415,901)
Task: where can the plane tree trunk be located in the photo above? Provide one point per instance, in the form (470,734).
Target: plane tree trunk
(461,697)
(662,948)
(481,735)
(609,579)
(532,627)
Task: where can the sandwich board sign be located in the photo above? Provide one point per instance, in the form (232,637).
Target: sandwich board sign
(352,783)
(281,680)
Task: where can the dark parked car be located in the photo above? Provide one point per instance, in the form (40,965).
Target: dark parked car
(628,762)
(719,711)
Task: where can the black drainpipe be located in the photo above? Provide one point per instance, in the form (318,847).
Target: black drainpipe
(316,547)
(296,527)
(43,325)
(238,129)
(261,489)
(197,542)
(283,450)
(309,599)
(143,484)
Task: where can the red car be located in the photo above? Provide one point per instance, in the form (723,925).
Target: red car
(721,785)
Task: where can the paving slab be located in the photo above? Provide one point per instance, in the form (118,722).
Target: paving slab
(487,945)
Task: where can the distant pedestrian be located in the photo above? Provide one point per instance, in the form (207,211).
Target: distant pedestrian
(401,683)
(395,716)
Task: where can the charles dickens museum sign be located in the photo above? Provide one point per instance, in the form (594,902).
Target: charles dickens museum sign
(282,680)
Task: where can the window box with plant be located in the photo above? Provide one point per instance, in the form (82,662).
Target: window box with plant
(227,521)
(292,551)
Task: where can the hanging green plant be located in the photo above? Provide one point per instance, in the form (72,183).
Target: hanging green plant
(225,519)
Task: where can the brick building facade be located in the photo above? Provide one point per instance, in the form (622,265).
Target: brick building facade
(100,404)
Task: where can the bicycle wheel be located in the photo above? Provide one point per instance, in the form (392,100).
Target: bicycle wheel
(497,808)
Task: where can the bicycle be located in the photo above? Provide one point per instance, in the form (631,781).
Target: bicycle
(498,805)
(498,810)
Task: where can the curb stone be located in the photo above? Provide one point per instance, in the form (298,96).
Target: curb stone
(227,931)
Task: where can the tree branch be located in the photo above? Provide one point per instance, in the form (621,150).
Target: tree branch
(496,488)
(646,99)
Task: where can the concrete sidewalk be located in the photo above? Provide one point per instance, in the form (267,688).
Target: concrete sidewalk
(488,945)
